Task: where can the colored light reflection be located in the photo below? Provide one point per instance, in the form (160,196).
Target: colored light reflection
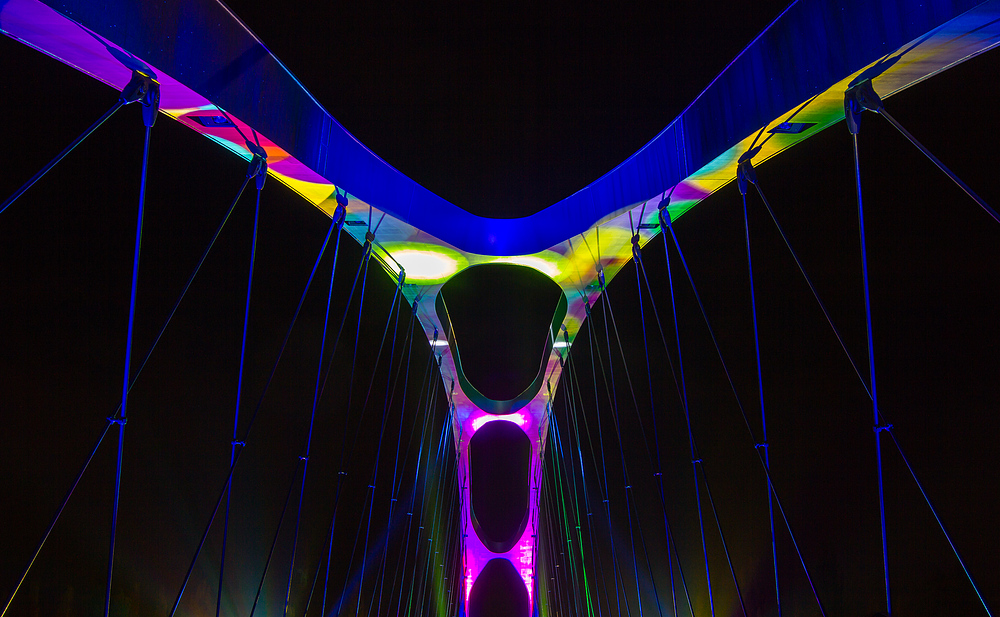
(517,418)
(548,263)
(426,263)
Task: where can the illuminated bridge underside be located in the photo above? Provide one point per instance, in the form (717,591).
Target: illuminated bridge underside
(797,71)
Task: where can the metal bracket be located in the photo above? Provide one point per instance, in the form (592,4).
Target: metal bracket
(340,214)
(878,428)
(857,99)
(143,88)
(744,170)
(665,219)
(258,163)
(118,421)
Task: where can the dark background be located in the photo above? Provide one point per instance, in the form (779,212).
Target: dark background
(503,111)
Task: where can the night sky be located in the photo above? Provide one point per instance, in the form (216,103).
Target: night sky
(502,111)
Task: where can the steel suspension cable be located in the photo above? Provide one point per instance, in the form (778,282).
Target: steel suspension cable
(405,547)
(393,495)
(864,385)
(573,429)
(239,388)
(722,536)
(558,495)
(812,288)
(312,423)
(72,146)
(274,541)
(378,357)
(378,450)
(958,181)
(604,469)
(59,511)
(121,418)
(664,217)
(334,224)
(576,394)
(760,390)
(190,280)
(423,498)
(568,478)
(680,396)
(687,416)
(879,427)
(658,474)
(635,403)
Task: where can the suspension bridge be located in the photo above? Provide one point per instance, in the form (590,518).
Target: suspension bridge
(501,502)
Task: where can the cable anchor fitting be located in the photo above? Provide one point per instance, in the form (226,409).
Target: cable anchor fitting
(143,88)
(758,446)
(258,163)
(235,443)
(744,170)
(878,428)
(636,253)
(118,421)
(858,98)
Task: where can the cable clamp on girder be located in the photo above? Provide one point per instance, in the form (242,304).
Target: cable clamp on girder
(143,88)
(118,421)
(340,214)
(258,163)
(878,428)
(665,219)
(241,444)
(304,458)
(744,170)
(857,98)
(758,446)
(696,461)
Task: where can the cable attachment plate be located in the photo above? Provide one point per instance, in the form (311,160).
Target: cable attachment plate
(878,428)
(857,99)
(258,163)
(665,219)
(118,421)
(143,88)
(340,214)
(744,170)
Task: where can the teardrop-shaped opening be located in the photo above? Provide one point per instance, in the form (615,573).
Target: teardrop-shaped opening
(502,315)
(500,478)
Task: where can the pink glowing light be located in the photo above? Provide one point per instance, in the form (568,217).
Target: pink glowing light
(517,418)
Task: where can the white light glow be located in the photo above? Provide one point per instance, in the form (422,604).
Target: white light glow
(541,264)
(560,345)
(439,343)
(425,265)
